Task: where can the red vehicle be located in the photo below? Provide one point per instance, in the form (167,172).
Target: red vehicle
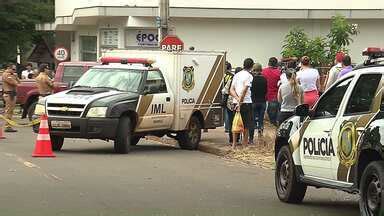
(67,73)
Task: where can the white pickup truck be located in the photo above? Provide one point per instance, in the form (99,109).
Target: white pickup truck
(339,143)
(138,93)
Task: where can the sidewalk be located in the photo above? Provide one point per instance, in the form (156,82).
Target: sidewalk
(216,142)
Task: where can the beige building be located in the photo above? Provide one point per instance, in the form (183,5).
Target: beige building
(243,28)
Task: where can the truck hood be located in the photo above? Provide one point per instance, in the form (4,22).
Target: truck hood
(85,95)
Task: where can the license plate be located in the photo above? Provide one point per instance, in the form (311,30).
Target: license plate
(61,124)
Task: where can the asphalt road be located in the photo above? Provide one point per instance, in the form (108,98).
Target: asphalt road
(86,178)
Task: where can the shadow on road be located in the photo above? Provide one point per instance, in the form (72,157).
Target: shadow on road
(139,149)
(333,205)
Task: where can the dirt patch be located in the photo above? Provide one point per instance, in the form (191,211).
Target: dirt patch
(260,154)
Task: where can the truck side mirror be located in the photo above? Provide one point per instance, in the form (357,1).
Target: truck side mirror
(302,110)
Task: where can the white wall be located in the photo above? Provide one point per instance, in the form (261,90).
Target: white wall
(261,39)
(66,7)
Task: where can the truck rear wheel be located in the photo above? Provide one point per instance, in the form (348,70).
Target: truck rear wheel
(371,186)
(57,142)
(123,136)
(288,187)
(189,139)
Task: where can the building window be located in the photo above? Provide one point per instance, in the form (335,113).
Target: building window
(88,48)
(109,38)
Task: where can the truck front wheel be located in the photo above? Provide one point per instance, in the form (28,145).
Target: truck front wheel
(57,143)
(123,136)
(288,187)
(371,186)
(189,139)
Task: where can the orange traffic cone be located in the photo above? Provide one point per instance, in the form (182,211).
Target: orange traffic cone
(43,147)
(2,130)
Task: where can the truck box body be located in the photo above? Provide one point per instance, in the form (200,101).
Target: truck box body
(195,79)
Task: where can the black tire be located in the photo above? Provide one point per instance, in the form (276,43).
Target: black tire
(288,187)
(123,139)
(57,142)
(135,140)
(371,185)
(190,138)
(31,110)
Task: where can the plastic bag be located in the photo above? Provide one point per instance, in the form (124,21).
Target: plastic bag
(237,124)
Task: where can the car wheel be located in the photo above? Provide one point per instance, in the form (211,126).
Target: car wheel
(135,140)
(123,136)
(189,139)
(371,186)
(57,142)
(31,110)
(288,187)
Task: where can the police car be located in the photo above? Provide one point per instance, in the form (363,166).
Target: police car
(139,93)
(339,143)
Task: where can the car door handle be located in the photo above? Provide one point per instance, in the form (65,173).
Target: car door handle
(327,131)
(168,99)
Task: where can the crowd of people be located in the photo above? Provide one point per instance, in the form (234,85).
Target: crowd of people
(275,90)
(10,81)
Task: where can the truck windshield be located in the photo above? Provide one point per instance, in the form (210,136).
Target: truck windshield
(121,79)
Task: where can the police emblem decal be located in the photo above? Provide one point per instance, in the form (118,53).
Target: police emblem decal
(347,148)
(188,78)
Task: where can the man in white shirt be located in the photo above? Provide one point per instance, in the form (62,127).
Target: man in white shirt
(334,72)
(241,93)
(28,72)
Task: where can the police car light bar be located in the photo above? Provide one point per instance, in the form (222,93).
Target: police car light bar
(112,59)
(374,52)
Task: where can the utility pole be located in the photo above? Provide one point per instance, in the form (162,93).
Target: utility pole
(163,18)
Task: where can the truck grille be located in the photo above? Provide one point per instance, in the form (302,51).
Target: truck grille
(65,110)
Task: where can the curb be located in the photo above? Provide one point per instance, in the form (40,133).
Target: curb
(212,149)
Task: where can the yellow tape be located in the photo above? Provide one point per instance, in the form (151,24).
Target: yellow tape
(15,124)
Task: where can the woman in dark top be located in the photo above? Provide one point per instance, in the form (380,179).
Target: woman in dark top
(259,92)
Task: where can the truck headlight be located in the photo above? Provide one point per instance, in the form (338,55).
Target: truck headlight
(99,112)
(39,109)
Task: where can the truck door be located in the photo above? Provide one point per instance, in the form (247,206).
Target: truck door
(159,100)
(316,147)
(362,105)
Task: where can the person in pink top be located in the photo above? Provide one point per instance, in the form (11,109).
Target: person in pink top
(272,75)
(309,80)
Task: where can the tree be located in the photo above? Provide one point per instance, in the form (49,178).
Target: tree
(321,50)
(340,35)
(295,43)
(17,25)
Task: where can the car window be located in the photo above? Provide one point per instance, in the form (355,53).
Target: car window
(329,104)
(155,83)
(72,73)
(122,79)
(363,94)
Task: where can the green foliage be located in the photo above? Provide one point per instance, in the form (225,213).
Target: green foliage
(316,51)
(321,50)
(340,35)
(295,43)
(17,25)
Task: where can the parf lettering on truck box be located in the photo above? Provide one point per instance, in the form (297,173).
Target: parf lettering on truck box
(318,147)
